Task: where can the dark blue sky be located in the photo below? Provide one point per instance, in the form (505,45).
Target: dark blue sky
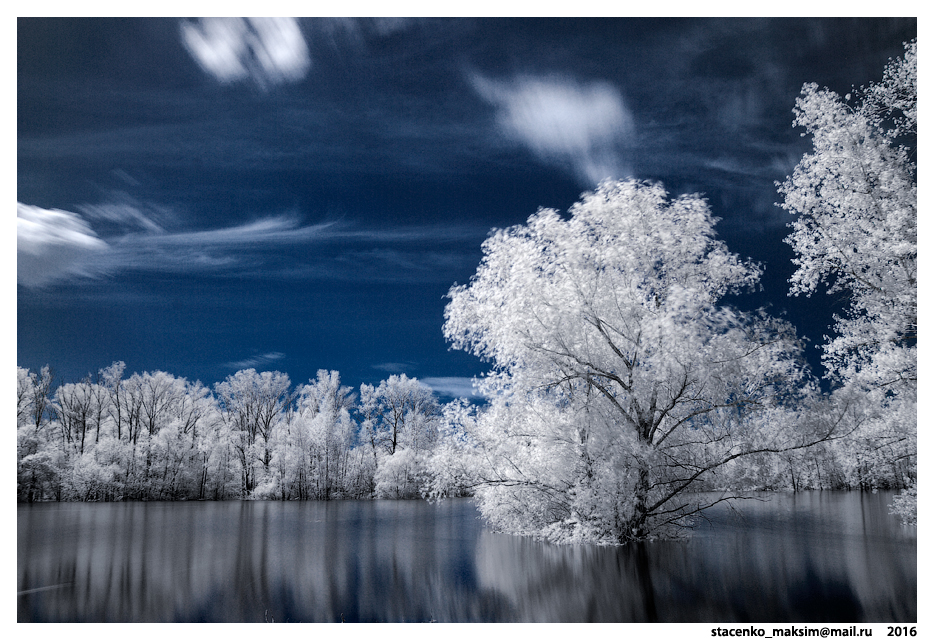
(201,197)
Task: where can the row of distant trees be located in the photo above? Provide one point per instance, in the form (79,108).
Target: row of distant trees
(158,436)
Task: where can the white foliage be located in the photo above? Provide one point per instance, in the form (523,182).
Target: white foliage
(397,474)
(398,413)
(452,466)
(855,199)
(615,369)
(904,506)
(252,404)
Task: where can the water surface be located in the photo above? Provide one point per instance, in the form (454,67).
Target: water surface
(807,557)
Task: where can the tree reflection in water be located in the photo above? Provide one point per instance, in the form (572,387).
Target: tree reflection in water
(797,558)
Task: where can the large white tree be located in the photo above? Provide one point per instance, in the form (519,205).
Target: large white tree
(619,381)
(854,196)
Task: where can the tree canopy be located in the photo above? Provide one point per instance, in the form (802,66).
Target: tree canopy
(619,380)
(855,201)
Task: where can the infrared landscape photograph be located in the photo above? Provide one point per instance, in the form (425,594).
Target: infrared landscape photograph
(457,320)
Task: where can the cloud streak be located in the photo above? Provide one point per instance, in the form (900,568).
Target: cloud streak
(582,127)
(125,214)
(394,368)
(255,361)
(269,51)
(452,386)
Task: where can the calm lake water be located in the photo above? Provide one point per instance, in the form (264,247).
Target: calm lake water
(808,557)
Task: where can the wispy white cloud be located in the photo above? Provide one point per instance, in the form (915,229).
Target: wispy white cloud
(270,51)
(269,230)
(452,386)
(393,368)
(389,25)
(52,244)
(123,214)
(226,249)
(255,361)
(251,244)
(355,30)
(287,229)
(124,177)
(582,127)
(125,235)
